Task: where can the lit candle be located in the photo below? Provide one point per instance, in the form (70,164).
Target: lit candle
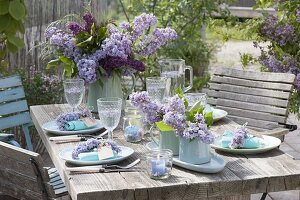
(158,166)
(133,132)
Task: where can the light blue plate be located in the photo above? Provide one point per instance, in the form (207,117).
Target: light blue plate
(52,127)
(66,155)
(215,165)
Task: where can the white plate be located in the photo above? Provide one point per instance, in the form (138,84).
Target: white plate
(66,155)
(270,143)
(216,164)
(218,114)
(52,127)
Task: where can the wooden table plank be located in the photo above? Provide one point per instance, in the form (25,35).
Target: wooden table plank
(243,175)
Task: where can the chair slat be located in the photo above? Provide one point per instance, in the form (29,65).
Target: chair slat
(252,83)
(12,81)
(19,191)
(246,98)
(260,76)
(251,91)
(253,114)
(12,94)
(248,106)
(255,123)
(15,120)
(13,107)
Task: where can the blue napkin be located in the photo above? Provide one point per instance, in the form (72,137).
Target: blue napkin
(250,142)
(92,156)
(76,125)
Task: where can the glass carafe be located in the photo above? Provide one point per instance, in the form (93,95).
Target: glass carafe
(174,71)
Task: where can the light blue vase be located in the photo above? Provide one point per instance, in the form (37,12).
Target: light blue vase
(194,151)
(167,140)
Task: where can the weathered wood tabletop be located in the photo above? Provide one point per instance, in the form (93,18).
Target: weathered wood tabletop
(243,175)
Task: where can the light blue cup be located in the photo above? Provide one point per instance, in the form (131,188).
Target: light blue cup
(167,140)
(194,151)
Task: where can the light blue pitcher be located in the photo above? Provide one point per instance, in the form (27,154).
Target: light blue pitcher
(167,140)
(194,151)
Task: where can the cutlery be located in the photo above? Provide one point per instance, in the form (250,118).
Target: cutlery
(122,167)
(75,138)
(103,170)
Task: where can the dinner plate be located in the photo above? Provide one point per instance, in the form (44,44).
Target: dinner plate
(66,155)
(52,127)
(270,143)
(215,165)
(218,114)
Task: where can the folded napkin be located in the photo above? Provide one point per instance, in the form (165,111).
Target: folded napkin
(92,156)
(76,125)
(250,142)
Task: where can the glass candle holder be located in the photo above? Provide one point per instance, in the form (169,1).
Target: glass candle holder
(133,128)
(159,163)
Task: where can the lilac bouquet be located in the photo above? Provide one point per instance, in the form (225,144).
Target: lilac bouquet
(64,118)
(91,50)
(189,123)
(92,144)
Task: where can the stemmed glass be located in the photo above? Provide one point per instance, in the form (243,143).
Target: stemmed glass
(74,91)
(156,87)
(109,110)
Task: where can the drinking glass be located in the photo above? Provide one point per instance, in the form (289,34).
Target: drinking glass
(174,71)
(193,98)
(74,91)
(156,87)
(109,110)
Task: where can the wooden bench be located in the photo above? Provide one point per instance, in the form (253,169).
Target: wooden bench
(259,98)
(23,176)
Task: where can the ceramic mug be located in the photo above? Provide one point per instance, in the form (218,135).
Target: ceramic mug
(167,140)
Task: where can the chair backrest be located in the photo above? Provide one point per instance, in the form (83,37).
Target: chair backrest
(13,106)
(259,98)
(22,174)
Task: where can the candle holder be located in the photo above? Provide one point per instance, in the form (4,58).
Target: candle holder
(133,128)
(159,163)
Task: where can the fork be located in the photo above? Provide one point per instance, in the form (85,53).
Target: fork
(122,167)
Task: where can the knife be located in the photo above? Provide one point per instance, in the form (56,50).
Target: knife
(100,170)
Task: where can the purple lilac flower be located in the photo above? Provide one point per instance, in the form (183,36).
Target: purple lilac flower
(89,20)
(62,119)
(176,120)
(238,138)
(198,130)
(87,70)
(117,45)
(50,31)
(111,62)
(113,145)
(176,104)
(142,23)
(75,27)
(125,26)
(97,56)
(160,37)
(139,99)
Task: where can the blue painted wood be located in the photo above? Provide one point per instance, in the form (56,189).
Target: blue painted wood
(25,128)
(15,120)
(12,81)
(12,94)
(13,107)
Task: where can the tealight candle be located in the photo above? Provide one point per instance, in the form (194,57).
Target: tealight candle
(133,128)
(159,163)
(158,167)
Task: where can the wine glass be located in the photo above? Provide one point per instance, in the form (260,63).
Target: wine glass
(109,110)
(74,91)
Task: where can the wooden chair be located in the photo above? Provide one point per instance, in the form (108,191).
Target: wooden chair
(23,176)
(259,98)
(13,106)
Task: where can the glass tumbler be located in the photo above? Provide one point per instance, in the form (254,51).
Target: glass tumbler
(159,163)
(193,98)
(133,128)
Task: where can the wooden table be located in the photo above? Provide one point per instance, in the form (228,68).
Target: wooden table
(242,176)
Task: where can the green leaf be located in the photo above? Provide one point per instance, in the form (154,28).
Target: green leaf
(4,63)
(179,91)
(164,127)
(101,34)
(4,21)
(16,41)
(20,27)
(68,70)
(209,118)
(17,9)
(93,29)
(4,5)
(53,63)
(2,54)
(11,47)
(12,27)
(87,41)
(65,60)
